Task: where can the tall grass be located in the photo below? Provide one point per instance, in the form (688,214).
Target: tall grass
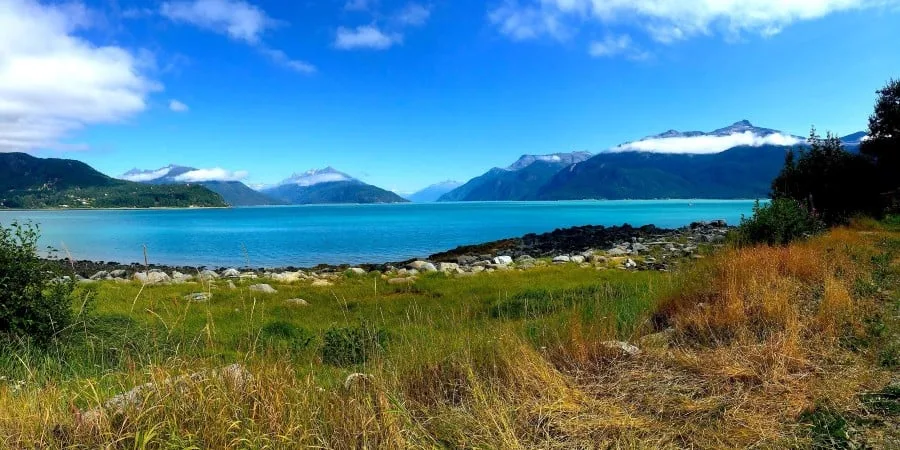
(737,349)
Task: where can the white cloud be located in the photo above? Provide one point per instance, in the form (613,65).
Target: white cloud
(521,23)
(670,20)
(53,82)
(707,144)
(365,37)
(138,176)
(279,57)
(214,174)
(235,18)
(413,15)
(617,45)
(177,106)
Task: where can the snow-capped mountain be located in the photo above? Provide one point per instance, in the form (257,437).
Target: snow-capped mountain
(316,176)
(741,133)
(564,159)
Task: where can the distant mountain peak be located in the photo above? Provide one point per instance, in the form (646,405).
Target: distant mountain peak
(316,176)
(554,158)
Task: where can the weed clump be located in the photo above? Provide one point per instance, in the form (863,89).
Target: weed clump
(282,333)
(352,345)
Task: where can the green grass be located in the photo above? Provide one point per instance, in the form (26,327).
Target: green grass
(513,359)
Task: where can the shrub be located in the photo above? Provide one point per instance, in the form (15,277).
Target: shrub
(349,346)
(286,333)
(35,303)
(778,223)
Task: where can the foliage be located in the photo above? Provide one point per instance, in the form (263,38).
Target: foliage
(778,222)
(882,144)
(281,332)
(352,345)
(34,303)
(833,184)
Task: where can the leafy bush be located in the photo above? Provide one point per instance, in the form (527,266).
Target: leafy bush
(35,303)
(349,346)
(778,223)
(280,332)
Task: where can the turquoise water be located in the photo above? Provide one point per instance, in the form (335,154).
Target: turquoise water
(336,234)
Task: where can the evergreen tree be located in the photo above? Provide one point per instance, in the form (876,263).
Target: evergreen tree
(882,144)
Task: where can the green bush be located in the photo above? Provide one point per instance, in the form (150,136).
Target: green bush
(282,333)
(778,223)
(35,303)
(349,346)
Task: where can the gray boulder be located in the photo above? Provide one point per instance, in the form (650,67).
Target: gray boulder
(207,275)
(263,288)
(198,297)
(231,273)
(101,275)
(119,273)
(578,259)
(561,259)
(503,260)
(296,302)
(357,271)
(616,251)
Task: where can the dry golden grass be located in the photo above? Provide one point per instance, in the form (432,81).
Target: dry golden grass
(754,341)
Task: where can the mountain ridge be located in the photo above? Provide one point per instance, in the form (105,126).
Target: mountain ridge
(28,182)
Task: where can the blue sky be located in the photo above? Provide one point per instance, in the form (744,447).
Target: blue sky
(405,94)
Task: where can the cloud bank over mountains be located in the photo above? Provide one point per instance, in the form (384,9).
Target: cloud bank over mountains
(179,174)
(707,144)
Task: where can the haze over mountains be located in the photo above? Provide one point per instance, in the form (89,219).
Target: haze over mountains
(736,161)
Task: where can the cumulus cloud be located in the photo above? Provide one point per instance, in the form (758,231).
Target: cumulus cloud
(235,18)
(214,174)
(365,37)
(390,33)
(53,82)
(617,45)
(413,15)
(177,106)
(520,23)
(143,176)
(668,21)
(707,144)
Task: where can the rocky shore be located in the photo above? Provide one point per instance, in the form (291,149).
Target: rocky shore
(617,247)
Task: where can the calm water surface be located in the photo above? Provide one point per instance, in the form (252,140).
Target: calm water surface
(336,234)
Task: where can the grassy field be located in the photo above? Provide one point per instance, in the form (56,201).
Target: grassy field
(765,347)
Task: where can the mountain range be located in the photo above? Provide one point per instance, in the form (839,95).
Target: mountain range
(736,161)
(27,182)
(234,193)
(328,185)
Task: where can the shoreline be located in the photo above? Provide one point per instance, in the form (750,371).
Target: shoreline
(167,208)
(562,242)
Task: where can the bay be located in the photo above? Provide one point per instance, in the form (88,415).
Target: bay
(305,236)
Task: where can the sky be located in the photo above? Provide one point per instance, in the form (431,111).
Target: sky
(403,94)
